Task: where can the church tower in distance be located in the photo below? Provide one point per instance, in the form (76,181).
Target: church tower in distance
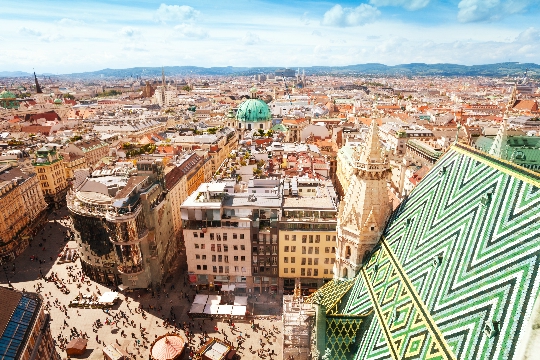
(365,208)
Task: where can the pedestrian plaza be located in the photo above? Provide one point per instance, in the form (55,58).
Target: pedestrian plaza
(136,319)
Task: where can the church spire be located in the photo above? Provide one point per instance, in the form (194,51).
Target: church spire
(371,153)
(499,143)
(38,88)
(365,209)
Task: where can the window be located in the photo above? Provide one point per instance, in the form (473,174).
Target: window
(241,236)
(235,258)
(201,235)
(285,259)
(242,258)
(286,249)
(327,237)
(224,236)
(220,258)
(219,247)
(311,239)
(221,269)
(197,257)
(316,250)
(309,261)
(332,260)
(317,238)
(308,272)
(226,258)
(195,235)
(254,237)
(202,246)
(294,238)
(235,247)
(327,250)
(235,236)
(285,270)
(225,248)
(315,272)
(196,246)
(198,267)
(316,261)
(334,238)
(243,247)
(326,260)
(211,236)
(333,250)
(236,269)
(292,259)
(226,269)
(218,237)
(204,267)
(325,271)
(204,257)
(303,249)
(293,270)
(212,247)
(286,237)
(303,261)
(302,272)
(293,248)
(214,269)
(304,239)
(310,250)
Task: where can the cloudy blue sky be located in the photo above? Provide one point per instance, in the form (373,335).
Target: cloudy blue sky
(71,36)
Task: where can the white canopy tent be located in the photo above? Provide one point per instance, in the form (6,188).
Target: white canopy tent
(197,309)
(238,311)
(225,310)
(240,300)
(211,309)
(108,298)
(200,299)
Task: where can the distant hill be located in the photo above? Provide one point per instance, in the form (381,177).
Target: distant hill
(414,69)
(14,74)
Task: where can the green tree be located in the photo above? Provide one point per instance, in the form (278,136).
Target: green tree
(187,88)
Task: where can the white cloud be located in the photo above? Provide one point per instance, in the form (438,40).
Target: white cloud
(50,38)
(529,36)
(407,4)
(360,15)
(488,10)
(130,32)
(29,32)
(251,39)
(69,22)
(191,31)
(176,13)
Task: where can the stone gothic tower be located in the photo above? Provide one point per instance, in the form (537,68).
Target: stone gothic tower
(365,208)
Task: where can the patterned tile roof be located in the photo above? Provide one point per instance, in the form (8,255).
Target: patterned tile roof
(455,275)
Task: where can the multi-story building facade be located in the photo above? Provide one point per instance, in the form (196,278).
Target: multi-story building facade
(307,233)
(223,232)
(72,162)
(125,225)
(50,171)
(22,209)
(93,150)
(25,332)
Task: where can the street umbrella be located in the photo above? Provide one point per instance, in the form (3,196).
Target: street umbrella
(76,346)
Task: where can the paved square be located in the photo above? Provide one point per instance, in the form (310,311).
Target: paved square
(126,324)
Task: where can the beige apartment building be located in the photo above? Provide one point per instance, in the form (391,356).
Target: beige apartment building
(22,209)
(51,173)
(93,150)
(307,233)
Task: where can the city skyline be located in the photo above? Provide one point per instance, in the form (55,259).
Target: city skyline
(59,38)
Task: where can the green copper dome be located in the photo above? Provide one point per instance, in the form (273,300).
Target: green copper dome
(7,95)
(253,110)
